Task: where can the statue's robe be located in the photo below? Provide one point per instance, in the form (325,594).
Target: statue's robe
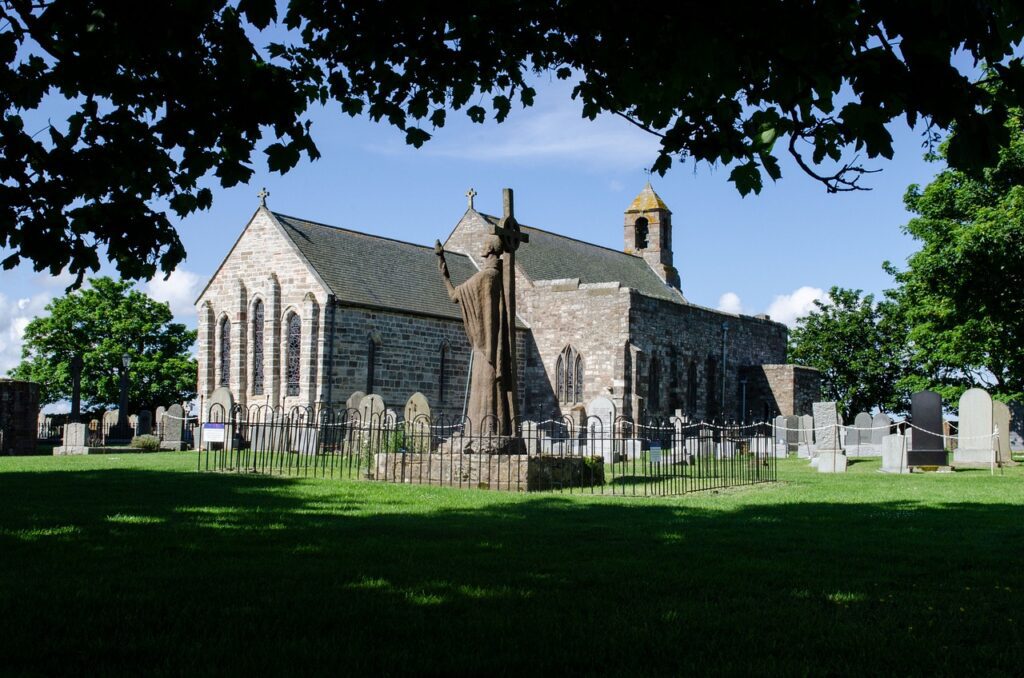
(484,313)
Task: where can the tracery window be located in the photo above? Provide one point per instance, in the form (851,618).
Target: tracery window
(294,355)
(225,352)
(691,387)
(257,347)
(569,376)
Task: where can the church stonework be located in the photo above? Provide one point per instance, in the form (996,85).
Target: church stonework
(342,311)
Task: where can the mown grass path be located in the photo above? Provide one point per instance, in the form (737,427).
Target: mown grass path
(136,563)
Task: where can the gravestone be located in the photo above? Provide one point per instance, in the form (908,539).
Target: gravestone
(793,432)
(219,405)
(806,430)
(352,404)
(417,423)
(975,445)
(926,448)
(780,429)
(158,420)
(1001,421)
(75,440)
(173,428)
(862,428)
(830,455)
(601,428)
(112,434)
(894,454)
(372,421)
(531,436)
(144,423)
(880,424)
(133,423)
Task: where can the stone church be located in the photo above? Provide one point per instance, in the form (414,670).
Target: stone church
(302,313)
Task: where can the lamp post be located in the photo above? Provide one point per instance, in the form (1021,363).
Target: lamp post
(122,412)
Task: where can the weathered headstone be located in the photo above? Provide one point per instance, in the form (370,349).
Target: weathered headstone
(133,422)
(219,405)
(806,429)
(975,444)
(894,454)
(417,423)
(926,448)
(861,430)
(531,436)
(780,429)
(830,455)
(372,421)
(353,401)
(158,420)
(792,432)
(144,423)
(1001,421)
(880,424)
(174,428)
(75,440)
(601,428)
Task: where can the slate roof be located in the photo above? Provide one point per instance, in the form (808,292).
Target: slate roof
(368,270)
(549,256)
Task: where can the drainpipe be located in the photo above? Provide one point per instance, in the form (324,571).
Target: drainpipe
(725,337)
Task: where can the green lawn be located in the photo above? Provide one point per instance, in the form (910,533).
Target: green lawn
(136,563)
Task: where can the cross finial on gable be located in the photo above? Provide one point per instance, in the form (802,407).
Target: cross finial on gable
(470,194)
(263,195)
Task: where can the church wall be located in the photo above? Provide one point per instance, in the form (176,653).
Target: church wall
(407,358)
(590,318)
(675,334)
(262,265)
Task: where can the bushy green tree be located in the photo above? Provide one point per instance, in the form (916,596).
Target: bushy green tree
(963,292)
(860,348)
(101,322)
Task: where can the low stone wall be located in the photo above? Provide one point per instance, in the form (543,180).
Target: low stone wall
(19,412)
(515,472)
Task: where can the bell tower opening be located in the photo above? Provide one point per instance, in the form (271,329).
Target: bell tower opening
(648,233)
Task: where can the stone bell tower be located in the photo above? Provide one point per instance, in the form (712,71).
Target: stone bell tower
(648,234)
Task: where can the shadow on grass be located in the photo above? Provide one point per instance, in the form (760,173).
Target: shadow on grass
(130,571)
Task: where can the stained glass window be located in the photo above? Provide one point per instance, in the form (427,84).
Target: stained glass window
(294,354)
(257,348)
(225,352)
(569,376)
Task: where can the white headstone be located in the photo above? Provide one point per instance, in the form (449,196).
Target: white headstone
(219,405)
(894,453)
(974,441)
(830,456)
(806,429)
(601,428)
(780,429)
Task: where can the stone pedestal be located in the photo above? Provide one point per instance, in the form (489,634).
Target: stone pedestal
(75,441)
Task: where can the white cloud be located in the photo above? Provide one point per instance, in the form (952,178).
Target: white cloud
(730,303)
(786,308)
(15,315)
(179,290)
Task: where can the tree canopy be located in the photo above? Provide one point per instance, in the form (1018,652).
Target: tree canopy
(102,322)
(164,96)
(860,348)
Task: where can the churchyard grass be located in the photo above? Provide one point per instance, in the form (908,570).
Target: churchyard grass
(135,563)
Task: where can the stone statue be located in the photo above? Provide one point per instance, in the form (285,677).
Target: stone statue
(486,318)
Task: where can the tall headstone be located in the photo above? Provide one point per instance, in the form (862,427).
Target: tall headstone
(975,444)
(1001,418)
(144,423)
(219,405)
(830,455)
(780,429)
(861,430)
(111,433)
(926,448)
(806,430)
(158,420)
(880,425)
(352,404)
(793,432)
(601,428)
(372,421)
(173,428)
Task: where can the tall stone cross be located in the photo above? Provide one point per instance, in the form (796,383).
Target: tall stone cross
(511,237)
(470,194)
(263,195)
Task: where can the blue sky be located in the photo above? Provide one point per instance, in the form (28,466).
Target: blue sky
(772,252)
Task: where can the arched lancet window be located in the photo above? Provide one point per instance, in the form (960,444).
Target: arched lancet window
(371,364)
(569,376)
(654,386)
(691,387)
(441,370)
(640,231)
(258,323)
(293,375)
(712,383)
(673,379)
(225,352)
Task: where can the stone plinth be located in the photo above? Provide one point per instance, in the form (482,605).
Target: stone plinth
(75,440)
(515,472)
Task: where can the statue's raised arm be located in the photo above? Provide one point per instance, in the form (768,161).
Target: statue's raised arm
(442,265)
